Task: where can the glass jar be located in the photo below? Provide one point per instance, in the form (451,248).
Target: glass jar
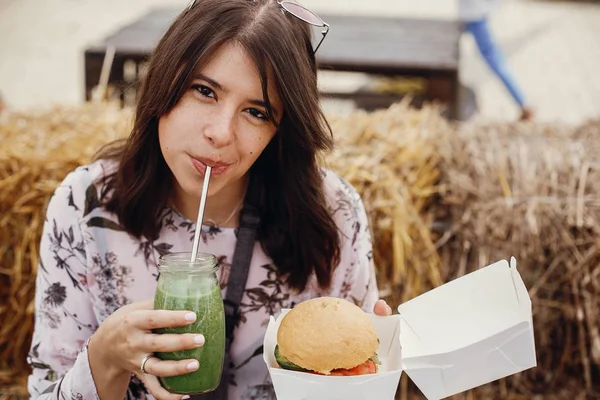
(193,286)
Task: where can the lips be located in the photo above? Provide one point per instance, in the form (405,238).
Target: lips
(218,167)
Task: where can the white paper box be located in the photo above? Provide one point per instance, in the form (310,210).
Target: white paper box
(292,385)
(468,332)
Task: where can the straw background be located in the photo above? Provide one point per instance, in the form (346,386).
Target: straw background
(531,191)
(36,152)
(443,200)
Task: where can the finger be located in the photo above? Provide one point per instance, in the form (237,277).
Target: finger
(159,393)
(153,319)
(171,342)
(382,308)
(155,366)
(143,305)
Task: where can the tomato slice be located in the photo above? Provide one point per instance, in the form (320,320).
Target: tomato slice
(368,367)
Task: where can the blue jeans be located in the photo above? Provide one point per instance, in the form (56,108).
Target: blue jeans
(494,57)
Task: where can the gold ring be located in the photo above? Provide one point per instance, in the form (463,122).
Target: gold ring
(144,360)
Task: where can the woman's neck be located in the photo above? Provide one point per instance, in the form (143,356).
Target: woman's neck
(222,209)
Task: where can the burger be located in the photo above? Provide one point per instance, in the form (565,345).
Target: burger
(327,336)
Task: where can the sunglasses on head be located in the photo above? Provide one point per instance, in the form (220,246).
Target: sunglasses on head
(300,12)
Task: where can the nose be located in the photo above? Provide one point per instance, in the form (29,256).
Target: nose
(219,130)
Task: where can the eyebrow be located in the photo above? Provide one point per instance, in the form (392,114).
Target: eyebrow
(211,81)
(220,87)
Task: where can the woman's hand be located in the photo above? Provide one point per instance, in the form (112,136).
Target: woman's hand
(382,308)
(153,385)
(125,338)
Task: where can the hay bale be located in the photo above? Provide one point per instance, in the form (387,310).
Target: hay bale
(532,191)
(37,152)
(523,190)
(390,156)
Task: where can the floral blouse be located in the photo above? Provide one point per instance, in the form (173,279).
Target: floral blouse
(89,267)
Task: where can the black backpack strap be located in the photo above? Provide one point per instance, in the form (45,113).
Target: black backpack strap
(242,257)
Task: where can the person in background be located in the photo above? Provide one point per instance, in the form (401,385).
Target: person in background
(474,14)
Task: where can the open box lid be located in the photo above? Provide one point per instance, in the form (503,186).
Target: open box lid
(468,332)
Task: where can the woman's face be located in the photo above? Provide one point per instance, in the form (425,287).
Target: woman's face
(220,121)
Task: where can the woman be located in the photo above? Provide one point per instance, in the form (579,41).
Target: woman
(474,14)
(233,85)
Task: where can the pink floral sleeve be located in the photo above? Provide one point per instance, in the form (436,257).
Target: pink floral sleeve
(64,316)
(355,275)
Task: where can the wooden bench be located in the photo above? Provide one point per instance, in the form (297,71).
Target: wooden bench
(392,47)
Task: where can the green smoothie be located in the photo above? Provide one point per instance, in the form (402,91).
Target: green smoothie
(203,296)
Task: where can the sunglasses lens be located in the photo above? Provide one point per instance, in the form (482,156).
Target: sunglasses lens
(302,13)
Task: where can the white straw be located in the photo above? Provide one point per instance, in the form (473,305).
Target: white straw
(201,213)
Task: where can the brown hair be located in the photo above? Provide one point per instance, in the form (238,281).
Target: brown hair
(297,231)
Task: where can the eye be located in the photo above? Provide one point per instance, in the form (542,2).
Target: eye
(204,91)
(257,114)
